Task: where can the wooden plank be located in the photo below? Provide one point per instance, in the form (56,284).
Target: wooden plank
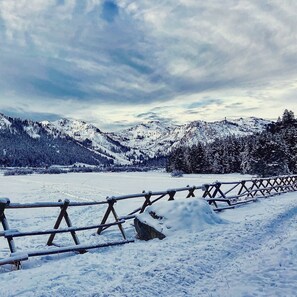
(106,215)
(16,233)
(52,204)
(223,208)
(119,224)
(75,248)
(231,189)
(218,200)
(245,201)
(69,224)
(15,258)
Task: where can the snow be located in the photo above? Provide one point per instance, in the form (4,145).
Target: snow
(32,130)
(190,215)
(4,122)
(254,254)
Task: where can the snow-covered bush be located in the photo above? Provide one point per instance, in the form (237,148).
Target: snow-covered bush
(177,173)
(84,169)
(18,171)
(52,170)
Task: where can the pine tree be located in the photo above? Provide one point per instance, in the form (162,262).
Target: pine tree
(269,156)
(288,116)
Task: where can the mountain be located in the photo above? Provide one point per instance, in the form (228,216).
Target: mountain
(155,139)
(91,137)
(29,143)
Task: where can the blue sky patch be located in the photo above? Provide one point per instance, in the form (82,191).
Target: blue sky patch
(110,11)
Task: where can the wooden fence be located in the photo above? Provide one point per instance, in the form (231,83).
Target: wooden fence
(221,195)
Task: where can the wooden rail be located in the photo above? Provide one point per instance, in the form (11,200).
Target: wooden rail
(9,234)
(221,195)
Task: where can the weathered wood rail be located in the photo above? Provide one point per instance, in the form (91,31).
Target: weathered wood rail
(221,195)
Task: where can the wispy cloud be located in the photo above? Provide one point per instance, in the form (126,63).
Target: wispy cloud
(117,59)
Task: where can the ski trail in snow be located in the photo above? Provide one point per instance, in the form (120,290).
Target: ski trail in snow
(66,193)
(254,239)
(74,196)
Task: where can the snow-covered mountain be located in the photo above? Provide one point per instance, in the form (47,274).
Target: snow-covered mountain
(90,137)
(28,143)
(156,139)
(140,142)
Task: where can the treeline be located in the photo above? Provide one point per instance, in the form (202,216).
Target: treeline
(272,152)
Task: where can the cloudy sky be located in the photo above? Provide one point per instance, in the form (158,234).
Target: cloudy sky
(119,62)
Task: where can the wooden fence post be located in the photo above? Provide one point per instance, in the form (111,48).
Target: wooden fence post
(106,215)
(291,183)
(63,214)
(294,184)
(259,183)
(120,226)
(191,192)
(58,221)
(147,201)
(4,202)
(218,190)
(278,183)
(171,194)
(206,188)
(243,187)
(110,209)
(270,183)
(274,185)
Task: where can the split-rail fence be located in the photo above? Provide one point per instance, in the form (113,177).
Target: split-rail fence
(221,195)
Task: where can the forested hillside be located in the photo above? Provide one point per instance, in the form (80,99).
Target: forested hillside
(27,143)
(271,152)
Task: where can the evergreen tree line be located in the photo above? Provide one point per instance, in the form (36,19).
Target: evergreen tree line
(272,152)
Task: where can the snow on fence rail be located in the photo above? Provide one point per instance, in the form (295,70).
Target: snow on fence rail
(221,195)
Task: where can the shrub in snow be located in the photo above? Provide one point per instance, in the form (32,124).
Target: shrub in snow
(168,217)
(19,171)
(83,169)
(177,173)
(52,170)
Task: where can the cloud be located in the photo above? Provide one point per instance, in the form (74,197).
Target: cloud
(146,54)
(205,102)
(24,114)
(154,116)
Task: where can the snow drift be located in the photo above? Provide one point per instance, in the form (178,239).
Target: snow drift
(190,215)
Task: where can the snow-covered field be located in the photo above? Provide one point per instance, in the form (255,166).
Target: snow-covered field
(254,254)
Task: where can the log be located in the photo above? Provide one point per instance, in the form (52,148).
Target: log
(146,232)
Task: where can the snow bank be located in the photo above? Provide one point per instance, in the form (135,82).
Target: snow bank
(189,215)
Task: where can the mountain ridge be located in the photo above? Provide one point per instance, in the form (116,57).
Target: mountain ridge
(144,141)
